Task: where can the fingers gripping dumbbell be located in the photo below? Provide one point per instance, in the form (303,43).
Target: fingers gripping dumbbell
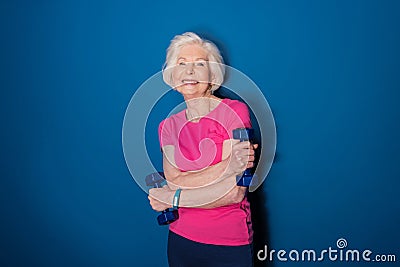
(157,180)
(244,134)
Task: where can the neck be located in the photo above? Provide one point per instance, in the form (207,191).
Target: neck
(198,108)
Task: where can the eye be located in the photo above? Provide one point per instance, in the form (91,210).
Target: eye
(181,63)
(200,64)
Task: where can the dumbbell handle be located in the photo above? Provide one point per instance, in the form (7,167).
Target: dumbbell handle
(157,180)
(244,134)
(168,216)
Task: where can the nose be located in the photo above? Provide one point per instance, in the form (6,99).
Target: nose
(190,68)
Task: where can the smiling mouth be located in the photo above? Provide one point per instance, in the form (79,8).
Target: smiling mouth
(190,82)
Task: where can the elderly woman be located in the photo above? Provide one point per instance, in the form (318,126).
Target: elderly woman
(201,162)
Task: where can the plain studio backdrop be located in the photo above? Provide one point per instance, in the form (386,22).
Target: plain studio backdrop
(329,70)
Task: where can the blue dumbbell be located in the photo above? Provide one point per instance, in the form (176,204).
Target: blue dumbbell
(157,180)
(244,134)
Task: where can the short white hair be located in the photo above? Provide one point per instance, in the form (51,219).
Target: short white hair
(214,56)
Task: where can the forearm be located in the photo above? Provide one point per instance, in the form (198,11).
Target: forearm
(219,194)
(236,195)
(211,187)
(199,179)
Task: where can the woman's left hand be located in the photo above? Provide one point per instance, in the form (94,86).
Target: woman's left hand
(161,198)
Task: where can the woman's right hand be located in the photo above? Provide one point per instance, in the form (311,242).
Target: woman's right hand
(242,156)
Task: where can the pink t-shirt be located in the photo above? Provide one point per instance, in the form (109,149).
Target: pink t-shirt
(197,146)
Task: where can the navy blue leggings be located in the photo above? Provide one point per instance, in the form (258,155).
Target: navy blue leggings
(183,252)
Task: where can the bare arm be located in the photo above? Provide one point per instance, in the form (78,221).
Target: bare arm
(229,166)
(219,194)
(198,178)
(220,190)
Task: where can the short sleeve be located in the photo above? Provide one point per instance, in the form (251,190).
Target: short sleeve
(164,133)
(239,118)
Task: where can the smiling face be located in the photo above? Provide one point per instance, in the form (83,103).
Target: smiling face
(191,75)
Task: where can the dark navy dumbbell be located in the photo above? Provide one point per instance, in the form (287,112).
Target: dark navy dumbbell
(244,134)
(157,180)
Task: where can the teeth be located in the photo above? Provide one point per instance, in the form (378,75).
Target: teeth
(189,81)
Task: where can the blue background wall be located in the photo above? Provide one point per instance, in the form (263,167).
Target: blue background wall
(329,69)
